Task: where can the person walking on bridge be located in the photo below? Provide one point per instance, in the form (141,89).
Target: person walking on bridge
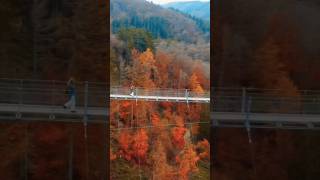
(71,91)
(132,90)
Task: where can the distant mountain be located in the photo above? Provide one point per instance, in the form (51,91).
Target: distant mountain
(162,22)
(195,8)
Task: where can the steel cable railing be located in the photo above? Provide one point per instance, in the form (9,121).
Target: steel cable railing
(50,93)
(177,95)
(266,101)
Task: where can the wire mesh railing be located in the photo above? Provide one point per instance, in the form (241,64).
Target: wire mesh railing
(173,94)
(91,94)
(51,93)
(266,100)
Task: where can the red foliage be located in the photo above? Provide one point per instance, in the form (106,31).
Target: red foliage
(160,71)
(188,163)
(140,143)
(124,143)
(155,120)
(204,147)
(113,156)
(178,136)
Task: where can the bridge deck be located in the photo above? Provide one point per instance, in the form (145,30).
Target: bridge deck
(161,98)
(172,95)
(49,113)
(266,120)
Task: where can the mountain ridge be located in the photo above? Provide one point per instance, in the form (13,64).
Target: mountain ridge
(152,17)
(199,9)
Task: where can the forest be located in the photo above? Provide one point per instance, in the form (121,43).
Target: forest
(270,45)
(157,140)
(162,22)
(163,151)
(52,40)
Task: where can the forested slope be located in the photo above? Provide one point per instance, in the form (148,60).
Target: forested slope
(52,40)
(161,22)
(155,140)
(273,45)
(44,37)
(195,8)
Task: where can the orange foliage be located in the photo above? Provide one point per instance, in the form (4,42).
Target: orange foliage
(178,133)
(140,143)
(195,129)
(112,155)
(188,163)
(148,71)
(162,170)
(155,120)
(147,58)
(126,104)
(142,72)
(202,79)
(194,84)
(204,147)
(124,143)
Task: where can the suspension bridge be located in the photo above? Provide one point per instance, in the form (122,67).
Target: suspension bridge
(43,100)
(247,107)
(265,108)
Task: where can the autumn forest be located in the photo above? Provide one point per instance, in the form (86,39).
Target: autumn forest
(157,140)
(56,51)
(268,45)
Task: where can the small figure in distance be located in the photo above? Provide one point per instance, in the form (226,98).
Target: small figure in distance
(71,92)
(132,90)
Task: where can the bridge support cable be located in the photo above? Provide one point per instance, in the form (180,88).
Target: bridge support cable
(52,116)
(131,122)
(70,156)
(248,129)
(106,152)
(243,100)
(187,98)
(118,116)
(85,124)
(18,114)
(136,95)
(214,137)
(26,154)
(247,122)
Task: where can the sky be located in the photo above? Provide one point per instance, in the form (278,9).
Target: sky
(167,1)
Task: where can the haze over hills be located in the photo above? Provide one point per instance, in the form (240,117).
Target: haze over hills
(161,22)
(195,8)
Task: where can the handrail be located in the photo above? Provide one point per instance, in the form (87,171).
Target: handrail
(41,91)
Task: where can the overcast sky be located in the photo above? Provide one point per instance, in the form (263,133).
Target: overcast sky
(167,1)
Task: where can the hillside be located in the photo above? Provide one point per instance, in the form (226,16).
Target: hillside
(194,8)
(258,42)
(47,41)
(161,22)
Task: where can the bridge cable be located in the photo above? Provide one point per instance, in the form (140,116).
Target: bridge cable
(107,136)
(131,122)
(26,155)
(140,177)
(247,125)
(136,125)
(118,118)
(85,124)
(214,136)
(136,92)
(187,98)
(168,125)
